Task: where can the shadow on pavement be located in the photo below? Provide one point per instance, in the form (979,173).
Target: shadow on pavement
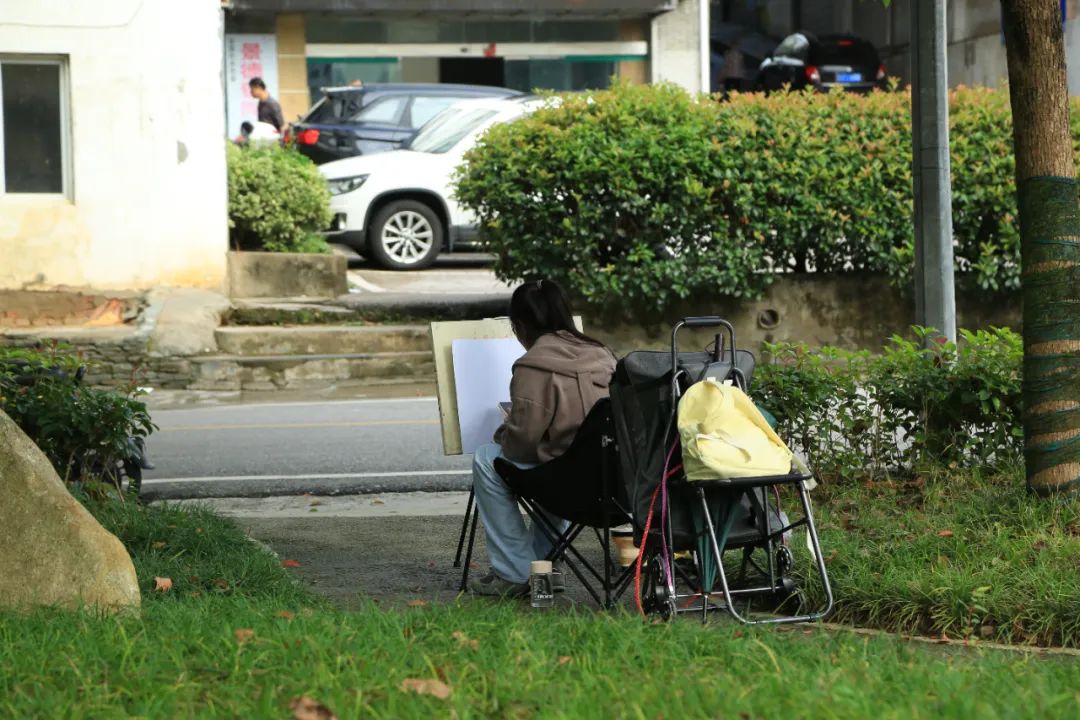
(391,560)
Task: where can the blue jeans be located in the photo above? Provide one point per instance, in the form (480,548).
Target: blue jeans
(511,545)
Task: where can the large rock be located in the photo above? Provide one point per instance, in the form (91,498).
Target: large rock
(52,551)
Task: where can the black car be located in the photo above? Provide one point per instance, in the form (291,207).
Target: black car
(367,119)
(802,60)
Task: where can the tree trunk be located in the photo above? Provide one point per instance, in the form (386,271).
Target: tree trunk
(1049,242)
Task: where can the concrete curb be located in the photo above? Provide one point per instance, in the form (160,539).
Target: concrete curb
(179,489)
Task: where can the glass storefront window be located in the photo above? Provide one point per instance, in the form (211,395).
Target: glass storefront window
(529,75)
(339,29)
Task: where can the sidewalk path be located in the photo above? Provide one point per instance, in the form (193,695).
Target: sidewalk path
(393,548)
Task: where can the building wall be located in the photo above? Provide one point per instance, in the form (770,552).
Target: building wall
(675,47)
(148,203)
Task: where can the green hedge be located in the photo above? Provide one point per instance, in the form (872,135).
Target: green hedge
(645,195)
(858,415)
(278,200)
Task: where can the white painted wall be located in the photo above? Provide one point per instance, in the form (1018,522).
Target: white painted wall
(675,47)
(148,205)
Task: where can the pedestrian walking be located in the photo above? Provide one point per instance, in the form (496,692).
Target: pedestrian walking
(269,108)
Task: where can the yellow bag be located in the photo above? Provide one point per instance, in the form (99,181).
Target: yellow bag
(725,436)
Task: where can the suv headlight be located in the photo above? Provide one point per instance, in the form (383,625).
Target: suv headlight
(340,186)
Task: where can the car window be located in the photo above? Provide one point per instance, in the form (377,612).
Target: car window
(794,46)
(386,110)
(843,51)
(334,107)
(426,107)
(448,129)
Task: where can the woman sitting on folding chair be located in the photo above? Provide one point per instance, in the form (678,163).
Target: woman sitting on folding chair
(554,385)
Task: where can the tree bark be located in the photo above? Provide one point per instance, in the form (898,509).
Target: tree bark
(1049,243)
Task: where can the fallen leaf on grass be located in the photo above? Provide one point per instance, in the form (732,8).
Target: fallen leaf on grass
(1039,545)
(831,556)
(565,659)
(243,634)
(417,603)
(986,631)
(426,686)
(945,533)
(285,614)
(465,640)
(305,708)
(1074,529)
(198,531)
(220,582)
(289,563)
(158,545)
(194,594)
(162,584)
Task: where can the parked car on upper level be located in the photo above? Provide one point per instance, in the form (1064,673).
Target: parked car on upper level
(842,61)
(397,208)
(368,119)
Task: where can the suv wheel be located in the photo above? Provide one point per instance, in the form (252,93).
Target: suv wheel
(405,235)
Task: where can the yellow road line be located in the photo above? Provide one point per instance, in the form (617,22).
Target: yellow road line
(292,426)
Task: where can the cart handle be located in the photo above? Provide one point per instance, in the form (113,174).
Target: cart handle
(698,322)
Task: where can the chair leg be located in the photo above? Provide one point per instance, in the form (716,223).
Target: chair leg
(464,529)
(468,552)
(607,567)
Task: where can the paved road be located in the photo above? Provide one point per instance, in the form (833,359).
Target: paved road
(256,450)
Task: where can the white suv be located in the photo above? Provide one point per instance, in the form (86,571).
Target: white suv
(397,208)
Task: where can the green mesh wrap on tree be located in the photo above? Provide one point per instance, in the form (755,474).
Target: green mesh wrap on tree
(1050,250)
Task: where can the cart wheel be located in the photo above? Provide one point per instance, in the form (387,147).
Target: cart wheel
(785,561)
(654,592)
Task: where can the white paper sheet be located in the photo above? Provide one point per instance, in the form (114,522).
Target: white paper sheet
(482,370)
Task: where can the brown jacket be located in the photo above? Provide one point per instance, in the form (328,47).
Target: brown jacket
(553,387)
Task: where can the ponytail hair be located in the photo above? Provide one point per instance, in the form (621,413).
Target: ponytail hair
(539,307)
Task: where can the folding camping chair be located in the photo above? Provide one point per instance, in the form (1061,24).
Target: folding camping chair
(582,486)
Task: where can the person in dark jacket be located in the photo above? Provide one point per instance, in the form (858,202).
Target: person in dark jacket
(554,385)
(269,108)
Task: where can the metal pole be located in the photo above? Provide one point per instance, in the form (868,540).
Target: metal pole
(704,46)
(935,300)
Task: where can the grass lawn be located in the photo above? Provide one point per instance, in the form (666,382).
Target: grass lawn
(235,637)
(222,657)
(955,555)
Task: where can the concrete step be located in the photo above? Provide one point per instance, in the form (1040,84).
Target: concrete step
(322,339)
(311,370)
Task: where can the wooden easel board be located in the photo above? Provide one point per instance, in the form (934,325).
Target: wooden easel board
(443,335)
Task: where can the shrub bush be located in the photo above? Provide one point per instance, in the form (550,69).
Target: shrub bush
(857,415)
(644,195)
(83,431)
(615,195)
(278,200)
